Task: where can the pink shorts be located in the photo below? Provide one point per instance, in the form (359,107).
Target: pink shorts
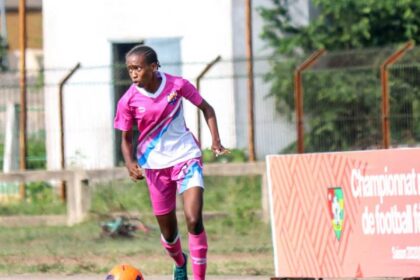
(163,183)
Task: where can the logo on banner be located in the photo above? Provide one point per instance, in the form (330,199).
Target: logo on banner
(336,209)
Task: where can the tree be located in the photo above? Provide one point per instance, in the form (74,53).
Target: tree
(342,108)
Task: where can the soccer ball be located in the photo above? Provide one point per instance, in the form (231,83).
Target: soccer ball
(124,272)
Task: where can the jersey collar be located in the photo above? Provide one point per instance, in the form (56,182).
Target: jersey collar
(158,91)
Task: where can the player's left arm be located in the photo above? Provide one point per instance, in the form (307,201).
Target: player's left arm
(210,117)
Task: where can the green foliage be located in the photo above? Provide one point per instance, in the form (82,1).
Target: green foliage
(235,155)
(342,25)
(2,54)
(39,192)
(342,107)
(348,114)
(36,153)
(36,158)
(40,199)
(2,155)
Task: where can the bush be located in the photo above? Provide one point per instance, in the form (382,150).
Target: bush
(36,158)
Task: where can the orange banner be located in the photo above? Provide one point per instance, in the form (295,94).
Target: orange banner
(347,214)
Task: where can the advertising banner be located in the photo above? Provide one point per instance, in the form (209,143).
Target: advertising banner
(346,214)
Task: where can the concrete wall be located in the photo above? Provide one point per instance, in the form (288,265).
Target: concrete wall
(84,31)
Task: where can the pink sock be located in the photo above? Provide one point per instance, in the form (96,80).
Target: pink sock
(174,250)
(198,252)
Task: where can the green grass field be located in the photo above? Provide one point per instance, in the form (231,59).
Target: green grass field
(239,243)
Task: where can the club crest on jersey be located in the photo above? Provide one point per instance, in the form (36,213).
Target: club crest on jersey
(172,97)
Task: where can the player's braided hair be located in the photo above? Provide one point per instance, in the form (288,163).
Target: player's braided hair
(149,54)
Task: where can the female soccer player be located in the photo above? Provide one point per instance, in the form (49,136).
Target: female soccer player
(168,155)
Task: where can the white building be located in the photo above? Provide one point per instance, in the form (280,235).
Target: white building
(99,32)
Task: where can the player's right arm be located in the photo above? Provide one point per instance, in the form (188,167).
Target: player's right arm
(124,121)
(133,168)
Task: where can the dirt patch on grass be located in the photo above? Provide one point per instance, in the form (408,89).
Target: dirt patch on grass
(151,264)
(29,220)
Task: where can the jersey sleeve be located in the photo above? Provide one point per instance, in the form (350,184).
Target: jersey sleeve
(123,118)
(190,92)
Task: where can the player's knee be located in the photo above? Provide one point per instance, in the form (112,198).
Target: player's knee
(194,224)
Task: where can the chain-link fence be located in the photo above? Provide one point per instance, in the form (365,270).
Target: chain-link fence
(341,93)
(404,90)
(10,98)
(342,101)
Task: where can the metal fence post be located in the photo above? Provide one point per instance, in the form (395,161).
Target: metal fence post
(23,94)
(61,124)
(197,83)
(386,134)
(299,96)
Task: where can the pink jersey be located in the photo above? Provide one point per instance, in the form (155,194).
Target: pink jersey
(164,139)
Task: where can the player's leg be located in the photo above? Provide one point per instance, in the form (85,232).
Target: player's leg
(162,191)
(190,185)
(197,239)
(170,237)
(193,209)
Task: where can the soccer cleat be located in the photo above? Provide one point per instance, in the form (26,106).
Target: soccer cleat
(180,272)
